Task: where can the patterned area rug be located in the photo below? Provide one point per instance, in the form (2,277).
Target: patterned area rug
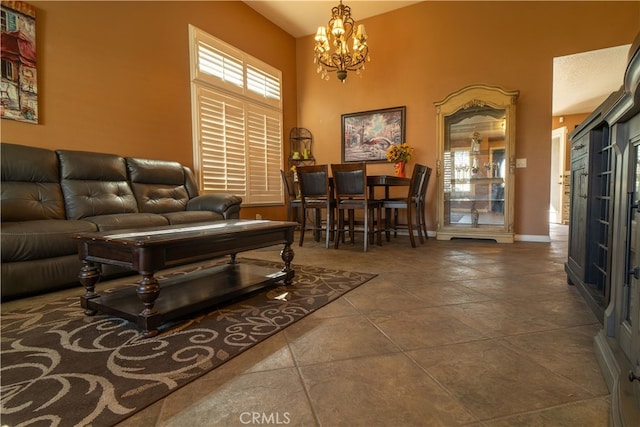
(60,367)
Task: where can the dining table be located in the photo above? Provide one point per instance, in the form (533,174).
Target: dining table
(373,182)
(386,181)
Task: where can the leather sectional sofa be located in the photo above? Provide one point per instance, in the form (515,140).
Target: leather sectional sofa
(48,195)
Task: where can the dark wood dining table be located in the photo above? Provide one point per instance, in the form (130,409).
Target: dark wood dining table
(373,182)
(386,181)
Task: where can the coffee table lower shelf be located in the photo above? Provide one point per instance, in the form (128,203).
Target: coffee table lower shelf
(186,294)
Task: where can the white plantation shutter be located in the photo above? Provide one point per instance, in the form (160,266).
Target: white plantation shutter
(217,63)
(237,119)
(221,142)
(264,156)
(263,84)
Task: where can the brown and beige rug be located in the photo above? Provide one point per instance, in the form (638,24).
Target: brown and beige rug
(62,368)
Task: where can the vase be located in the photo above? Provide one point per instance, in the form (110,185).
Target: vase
(399,169)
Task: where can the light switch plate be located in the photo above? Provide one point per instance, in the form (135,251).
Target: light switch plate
(521,163)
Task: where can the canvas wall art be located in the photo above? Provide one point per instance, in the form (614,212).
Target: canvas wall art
(367,135)
(19,84)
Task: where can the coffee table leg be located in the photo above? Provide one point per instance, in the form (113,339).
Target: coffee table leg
(148,291)
(89,275)
(287,255)
(149,318)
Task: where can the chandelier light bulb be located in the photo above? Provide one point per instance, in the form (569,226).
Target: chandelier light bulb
(338,28)
(321,35)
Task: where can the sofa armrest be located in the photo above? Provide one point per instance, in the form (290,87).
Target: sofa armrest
(225,204)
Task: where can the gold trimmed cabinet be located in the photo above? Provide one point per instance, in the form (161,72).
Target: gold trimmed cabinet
(475,170)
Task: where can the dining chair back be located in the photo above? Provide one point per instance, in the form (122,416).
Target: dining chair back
(316,195)
(291,199)
(423,202)
(351,193)
(411,204)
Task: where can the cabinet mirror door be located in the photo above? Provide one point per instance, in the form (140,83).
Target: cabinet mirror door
(476,154)
(475,168)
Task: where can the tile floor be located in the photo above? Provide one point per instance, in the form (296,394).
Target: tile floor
(457,333)
(451,333)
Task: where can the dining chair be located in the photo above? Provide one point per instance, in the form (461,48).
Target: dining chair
(291,198)
(410,203)
(316,195)
(352,194)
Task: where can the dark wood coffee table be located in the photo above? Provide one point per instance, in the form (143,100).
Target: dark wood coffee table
(151,250)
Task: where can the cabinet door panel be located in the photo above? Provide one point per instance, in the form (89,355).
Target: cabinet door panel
(578,219)
(629,330)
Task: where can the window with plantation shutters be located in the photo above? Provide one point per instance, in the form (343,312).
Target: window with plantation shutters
(237,120)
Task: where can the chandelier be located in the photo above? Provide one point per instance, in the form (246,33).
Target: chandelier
(340,59)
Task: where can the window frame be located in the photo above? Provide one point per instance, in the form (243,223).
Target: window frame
(224,80)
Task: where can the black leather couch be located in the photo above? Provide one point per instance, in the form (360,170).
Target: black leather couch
(49,195)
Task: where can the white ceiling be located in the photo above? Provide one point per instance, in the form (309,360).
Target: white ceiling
(583,81)
(580,82)
(302,18)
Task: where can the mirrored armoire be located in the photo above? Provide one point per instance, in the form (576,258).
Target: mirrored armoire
(476,161)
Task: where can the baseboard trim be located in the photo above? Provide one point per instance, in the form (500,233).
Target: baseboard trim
(518,237)
(532,238)
(405,232)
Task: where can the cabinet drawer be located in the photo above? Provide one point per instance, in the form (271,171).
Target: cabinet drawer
(580,147)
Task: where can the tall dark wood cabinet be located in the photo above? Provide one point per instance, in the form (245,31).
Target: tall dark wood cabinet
(604,238)
(592,170)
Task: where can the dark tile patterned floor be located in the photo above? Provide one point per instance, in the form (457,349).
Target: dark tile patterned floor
(450,333)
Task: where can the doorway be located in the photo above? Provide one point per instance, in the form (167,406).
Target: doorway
(556,190)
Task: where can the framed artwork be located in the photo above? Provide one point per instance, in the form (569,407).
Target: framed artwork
(367,135)
(19,84)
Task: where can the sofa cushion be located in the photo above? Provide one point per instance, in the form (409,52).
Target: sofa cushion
(122,221)
(30,184)
(158,185)
(95,184)
(25,201)
(158,198)
(29,240)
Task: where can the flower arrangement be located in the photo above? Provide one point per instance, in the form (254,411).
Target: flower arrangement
(399,153)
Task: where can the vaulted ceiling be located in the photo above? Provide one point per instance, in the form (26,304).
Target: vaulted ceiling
(580,82)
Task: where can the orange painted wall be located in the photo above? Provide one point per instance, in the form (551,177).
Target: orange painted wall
(114,76)
(421,53)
